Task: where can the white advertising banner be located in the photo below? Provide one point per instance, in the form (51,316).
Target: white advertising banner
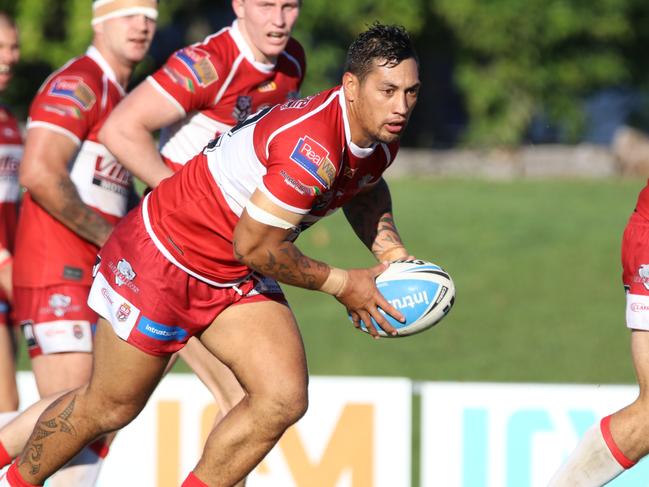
(511,435)
(357,433)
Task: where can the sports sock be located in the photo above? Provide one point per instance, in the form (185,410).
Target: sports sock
(6,418)
(14,479)
(595,461)
(193,481)
(5,458)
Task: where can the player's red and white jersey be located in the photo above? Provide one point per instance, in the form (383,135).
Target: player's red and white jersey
(217,84)
(299,154)
(11,152)
(74,101)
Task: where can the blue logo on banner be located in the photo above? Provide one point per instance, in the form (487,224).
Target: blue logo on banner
(161,332)
(522,426)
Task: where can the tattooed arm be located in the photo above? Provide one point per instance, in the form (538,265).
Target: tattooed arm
(44,172)
(262,244)
(370,215)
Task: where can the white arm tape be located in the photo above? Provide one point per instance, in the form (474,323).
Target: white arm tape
(262,216)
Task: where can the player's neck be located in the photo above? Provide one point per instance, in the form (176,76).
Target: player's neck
(123,69)
(358,135)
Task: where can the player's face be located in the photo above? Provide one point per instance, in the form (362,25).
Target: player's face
(128,37)
(383,101)
(9,54)
(267,25)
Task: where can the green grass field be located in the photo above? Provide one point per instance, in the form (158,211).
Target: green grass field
(537,271)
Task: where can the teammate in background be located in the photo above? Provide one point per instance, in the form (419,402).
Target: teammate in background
(205,89)
(76,193)
(620,440)
(10,155)
(200,256)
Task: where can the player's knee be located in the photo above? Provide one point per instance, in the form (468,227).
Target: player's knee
(114,413)
(285,407)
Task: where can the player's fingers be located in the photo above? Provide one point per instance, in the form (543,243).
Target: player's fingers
(379,268)
(367,320)
(382,322)
(389,309)
(355,319)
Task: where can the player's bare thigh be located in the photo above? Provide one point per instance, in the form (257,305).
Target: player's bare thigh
(8,394)
(261,343)
(61,371)
(218,378)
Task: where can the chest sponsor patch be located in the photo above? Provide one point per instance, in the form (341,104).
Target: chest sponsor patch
(62,110)
(75,89)
(198,62)
(267,86)
(314,158)
(183,81)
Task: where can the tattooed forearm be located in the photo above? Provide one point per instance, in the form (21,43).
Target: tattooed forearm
(370,215)
(289,265)
(61,423)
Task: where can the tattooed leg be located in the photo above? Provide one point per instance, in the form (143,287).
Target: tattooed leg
(114,396)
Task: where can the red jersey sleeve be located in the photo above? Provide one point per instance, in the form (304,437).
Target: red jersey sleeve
(189,79)
(67,103)
(300,168)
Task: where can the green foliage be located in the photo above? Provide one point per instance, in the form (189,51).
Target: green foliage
(517,58)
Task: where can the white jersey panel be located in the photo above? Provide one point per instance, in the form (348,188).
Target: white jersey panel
(10,157)
(184,139)
(235,168)
(102,182)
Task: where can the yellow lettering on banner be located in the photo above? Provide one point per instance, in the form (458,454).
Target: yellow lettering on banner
(168,443)
(350,448)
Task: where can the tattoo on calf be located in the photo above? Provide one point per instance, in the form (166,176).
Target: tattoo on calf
(44,429)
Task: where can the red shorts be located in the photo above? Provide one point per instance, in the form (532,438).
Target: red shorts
(55,319)
(153,304)
(635,264)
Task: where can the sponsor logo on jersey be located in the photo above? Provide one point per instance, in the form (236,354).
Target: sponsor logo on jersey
(123,312)
(643,275)
(124,274)
(243,108)
(296,102)
(62,110)
(106,294)
(198,62)
(298,185)
(75,89)
(185,82)
(314,158)
(267,86)
(71,273)
(9,167)
(111,175)
(59,304)
(158,331)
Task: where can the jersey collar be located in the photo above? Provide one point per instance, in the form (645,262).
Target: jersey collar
(246,50)
(93,53)
(360,152)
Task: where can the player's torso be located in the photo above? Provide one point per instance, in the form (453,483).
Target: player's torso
(75,102)
(193,214)
(219,84)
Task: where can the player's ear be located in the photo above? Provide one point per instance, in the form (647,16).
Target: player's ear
(237,6)
(350,85)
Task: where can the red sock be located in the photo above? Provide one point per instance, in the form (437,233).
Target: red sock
(5,458)
(15,479)
(99,447)
(192,481)
(621,458)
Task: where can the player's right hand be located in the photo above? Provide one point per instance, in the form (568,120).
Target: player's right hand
(362,299)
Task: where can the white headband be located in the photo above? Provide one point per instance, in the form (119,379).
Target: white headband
(110,9)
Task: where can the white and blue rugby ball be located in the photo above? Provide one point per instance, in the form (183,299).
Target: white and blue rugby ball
(423,292)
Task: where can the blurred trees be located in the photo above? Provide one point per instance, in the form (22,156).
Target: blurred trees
(488,66)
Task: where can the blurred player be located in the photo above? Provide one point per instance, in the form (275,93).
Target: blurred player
(620,440)
(10,155)
(189,262)
(76,192)
(205,89)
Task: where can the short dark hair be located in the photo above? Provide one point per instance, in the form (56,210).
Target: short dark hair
(386,44)
(7,20)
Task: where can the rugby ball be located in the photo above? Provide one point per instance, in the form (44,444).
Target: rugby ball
(423,292)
